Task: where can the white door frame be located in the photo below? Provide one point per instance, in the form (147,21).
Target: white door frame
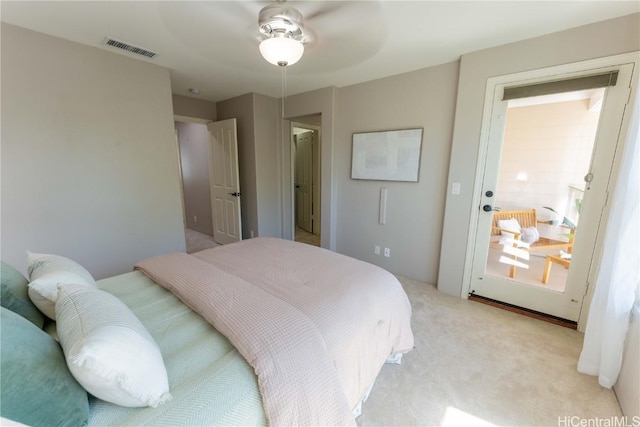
(317,191)
(184,210)
(543,74)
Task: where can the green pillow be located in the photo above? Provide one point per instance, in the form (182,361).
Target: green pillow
(36,387)
(15,295)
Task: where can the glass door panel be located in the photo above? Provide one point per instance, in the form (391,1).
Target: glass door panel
(546,153)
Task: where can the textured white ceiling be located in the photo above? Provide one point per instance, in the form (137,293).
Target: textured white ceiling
(212,45)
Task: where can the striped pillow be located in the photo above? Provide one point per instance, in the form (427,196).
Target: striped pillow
(45,272)
(108,350)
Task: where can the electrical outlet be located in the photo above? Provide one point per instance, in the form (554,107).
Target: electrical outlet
(376,249)
(195,218)
(387,253)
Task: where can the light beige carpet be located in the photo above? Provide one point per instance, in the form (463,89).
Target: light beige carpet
(474,363)
(197,241)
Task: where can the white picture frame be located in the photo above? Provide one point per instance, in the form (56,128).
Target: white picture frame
(392,155)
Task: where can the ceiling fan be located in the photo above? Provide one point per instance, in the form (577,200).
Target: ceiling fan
(282,29)
(326,29)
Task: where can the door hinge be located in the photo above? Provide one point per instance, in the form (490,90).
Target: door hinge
(586,288)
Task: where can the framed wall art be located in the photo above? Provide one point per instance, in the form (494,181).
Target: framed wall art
(392,155)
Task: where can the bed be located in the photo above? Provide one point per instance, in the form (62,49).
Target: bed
(264,331)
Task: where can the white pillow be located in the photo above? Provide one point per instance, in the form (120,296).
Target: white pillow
(108,350)
(511,224)
(530,235)
(45,272)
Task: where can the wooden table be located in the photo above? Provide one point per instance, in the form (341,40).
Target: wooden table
(553,259)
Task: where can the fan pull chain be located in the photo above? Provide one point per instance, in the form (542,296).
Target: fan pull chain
(284,87)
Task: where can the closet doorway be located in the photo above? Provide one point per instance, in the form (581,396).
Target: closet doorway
(305,149)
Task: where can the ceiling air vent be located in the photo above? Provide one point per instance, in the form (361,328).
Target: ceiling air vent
(126,46)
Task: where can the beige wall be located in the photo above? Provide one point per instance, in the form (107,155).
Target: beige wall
(195,108)
(259,162)
(421,99)
(268,165)
(194,157)
(89,158)
(601,39)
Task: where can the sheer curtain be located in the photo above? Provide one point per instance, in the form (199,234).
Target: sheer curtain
(619,275)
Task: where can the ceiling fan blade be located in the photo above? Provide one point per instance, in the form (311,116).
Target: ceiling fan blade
(330,32)
(323,8)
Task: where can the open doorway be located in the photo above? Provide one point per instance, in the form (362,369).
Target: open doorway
(209,181)
(193,154)
(305,151)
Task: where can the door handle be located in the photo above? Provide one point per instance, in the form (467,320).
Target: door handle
(487,208)
(236,194)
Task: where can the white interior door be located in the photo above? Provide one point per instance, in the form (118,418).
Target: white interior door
(304,181)
(225,185)
(565,303)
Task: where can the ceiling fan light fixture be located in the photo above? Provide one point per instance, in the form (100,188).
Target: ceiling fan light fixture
(282,51)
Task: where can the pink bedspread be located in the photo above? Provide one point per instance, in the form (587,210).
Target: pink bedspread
(316,326)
